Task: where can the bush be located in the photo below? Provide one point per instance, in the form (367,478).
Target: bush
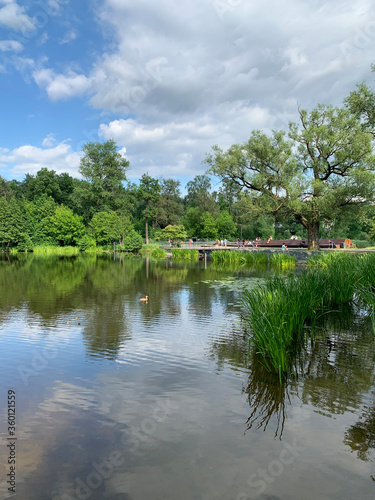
(86,243)
(363,243)
(133,242)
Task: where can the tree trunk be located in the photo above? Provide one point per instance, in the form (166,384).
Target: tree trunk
(313,235)
(146,229)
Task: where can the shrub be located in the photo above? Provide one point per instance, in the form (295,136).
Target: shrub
(133,242)
(86,243)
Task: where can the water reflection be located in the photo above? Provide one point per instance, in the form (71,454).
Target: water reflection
(267,398)
(361,436)
(333,373)
(119,358)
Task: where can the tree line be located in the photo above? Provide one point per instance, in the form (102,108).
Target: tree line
(105,207)
(316,181)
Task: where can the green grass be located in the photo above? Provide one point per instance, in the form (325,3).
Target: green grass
(153,251)
(184,254)
(54,250)
(279,260)
(238,257)
(282,260)
(278,313)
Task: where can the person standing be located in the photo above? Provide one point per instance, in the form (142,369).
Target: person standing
(225,242)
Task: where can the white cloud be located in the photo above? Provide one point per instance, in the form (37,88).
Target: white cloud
(61,86)
(14,17)
(55,6)
(43,38)
(49,141)
(190,75)
(30,159)
(178,148)
(68,37)
(10,46)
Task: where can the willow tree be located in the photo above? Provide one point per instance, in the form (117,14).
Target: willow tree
(322,167)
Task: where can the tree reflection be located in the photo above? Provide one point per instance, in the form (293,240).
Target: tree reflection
(361,436)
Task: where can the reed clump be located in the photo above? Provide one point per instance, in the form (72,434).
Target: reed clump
(55,250)
(153,251)
(277,314)
(238,257)
(184,254)
(282,260)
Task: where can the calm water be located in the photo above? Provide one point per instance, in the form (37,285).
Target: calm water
(121,399)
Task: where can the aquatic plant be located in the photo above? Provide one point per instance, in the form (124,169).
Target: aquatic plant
(277,314)
(55,250)
(184,254)
(238,257)
(153,251)
(282,260)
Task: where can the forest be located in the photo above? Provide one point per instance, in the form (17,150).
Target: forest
(316,181)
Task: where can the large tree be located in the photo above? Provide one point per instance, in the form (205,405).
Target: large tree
(149,194)
(199,195)
(170,205)
(104,169)
(324,167)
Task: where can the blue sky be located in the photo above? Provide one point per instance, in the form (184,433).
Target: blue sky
(167,80)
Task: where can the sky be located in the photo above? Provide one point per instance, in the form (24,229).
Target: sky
(167,80)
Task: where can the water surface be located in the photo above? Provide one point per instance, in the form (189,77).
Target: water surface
(122,399)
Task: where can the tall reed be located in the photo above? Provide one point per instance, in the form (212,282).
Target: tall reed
(184,254)
(238,257)
(55,250)
(278,313)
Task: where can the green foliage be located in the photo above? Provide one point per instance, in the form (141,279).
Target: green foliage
(363,243)
(282,260)
(55,250)
(169,207)
(198,194)
(278,312)
(67,227)
(86,243)
(184,254)
(191,221)
(208,226)
(149,195)
(132,242)
(6,190)
(325,167)
(226,227)
(238,257)
(12,223)
(39,214)
(171,233)
(108,227)
(153,251)
(104,169)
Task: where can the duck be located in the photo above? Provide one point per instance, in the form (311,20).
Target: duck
(144,299)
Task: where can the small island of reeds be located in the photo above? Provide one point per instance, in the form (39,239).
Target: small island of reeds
(278,313)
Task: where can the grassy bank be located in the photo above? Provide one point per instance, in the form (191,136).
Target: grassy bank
(55,250)
(278,313)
